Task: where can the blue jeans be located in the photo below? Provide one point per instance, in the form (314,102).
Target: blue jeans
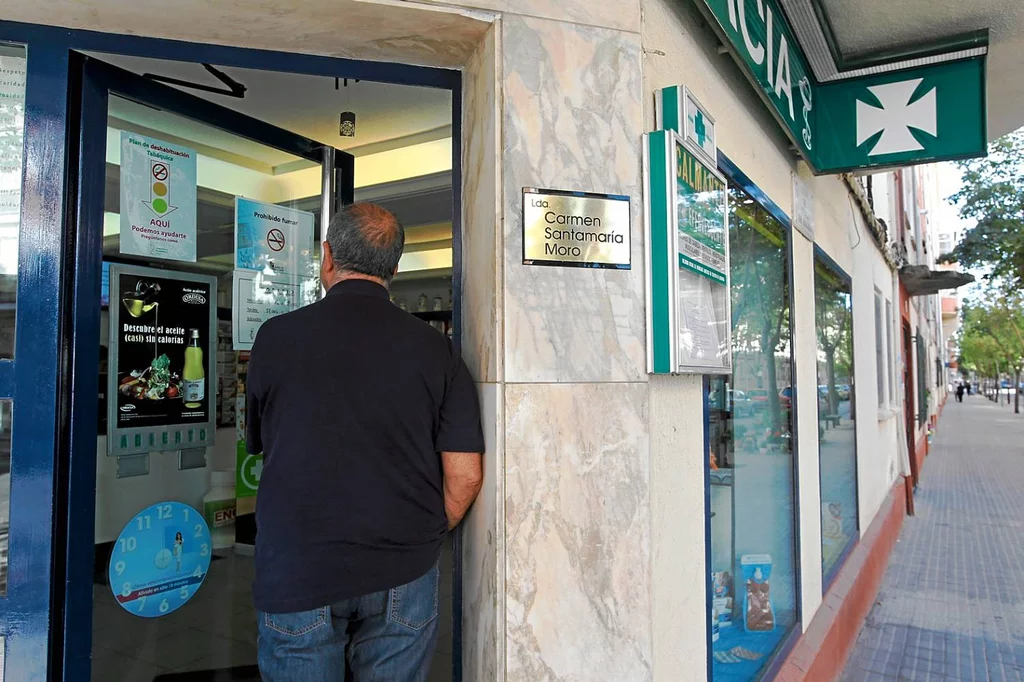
(386,636)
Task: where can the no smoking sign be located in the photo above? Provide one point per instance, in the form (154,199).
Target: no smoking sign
(275,240)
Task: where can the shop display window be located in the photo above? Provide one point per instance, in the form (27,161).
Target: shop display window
(753,537)
(837,448)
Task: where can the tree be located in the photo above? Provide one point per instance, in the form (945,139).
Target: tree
(993,335)
(760,296)
(993,194)
(832,308)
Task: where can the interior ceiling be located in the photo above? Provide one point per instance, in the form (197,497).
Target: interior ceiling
(866,26)
(387,115)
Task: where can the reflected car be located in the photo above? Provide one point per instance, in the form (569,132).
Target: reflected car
(757,395)
(739,403)
(786,396)
(742,405)
(843,391)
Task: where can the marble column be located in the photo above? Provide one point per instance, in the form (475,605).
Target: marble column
(577,513)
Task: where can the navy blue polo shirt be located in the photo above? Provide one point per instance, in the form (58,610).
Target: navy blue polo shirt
(351,400)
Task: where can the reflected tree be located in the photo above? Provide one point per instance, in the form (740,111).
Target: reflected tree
(760,293)
(834,326)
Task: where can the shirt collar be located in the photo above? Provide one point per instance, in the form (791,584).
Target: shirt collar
(358,287)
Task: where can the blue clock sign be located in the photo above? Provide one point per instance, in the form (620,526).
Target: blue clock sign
(160,559)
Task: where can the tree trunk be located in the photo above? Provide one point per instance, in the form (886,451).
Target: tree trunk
(1016,392)
(830,369)
(768,345)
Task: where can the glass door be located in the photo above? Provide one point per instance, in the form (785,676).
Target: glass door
(195,223)
(30,256)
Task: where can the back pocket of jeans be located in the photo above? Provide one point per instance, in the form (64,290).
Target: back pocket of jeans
(296,624)
(414,604)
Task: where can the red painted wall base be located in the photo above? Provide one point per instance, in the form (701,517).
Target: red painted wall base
(822,651)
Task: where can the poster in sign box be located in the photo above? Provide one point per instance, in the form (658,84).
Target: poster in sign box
(162,370)
(689,325)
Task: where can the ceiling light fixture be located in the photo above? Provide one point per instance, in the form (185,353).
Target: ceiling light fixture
(348,124)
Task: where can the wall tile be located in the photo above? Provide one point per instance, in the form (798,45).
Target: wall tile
(483,533)
(481,238)
(560,132)
(578,522)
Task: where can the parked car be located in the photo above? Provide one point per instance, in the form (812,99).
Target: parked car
(742,405)
(758,395)
(739,403)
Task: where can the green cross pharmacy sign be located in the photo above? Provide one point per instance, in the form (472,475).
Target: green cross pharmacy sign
(248,469)
(879,118)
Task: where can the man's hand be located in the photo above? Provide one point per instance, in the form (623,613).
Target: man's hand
(463,476)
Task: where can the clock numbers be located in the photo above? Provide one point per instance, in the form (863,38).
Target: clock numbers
(160,559)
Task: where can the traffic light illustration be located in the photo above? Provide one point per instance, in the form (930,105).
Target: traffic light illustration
(160,188)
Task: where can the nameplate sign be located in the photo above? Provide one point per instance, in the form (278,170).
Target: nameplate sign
(575,229)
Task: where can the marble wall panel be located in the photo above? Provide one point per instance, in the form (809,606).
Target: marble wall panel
(623,15)
(577,514)
(572,120)
(483,534)
(481,224)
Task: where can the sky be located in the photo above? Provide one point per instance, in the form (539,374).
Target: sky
(948,181)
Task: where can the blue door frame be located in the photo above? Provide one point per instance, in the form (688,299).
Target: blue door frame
(46,618)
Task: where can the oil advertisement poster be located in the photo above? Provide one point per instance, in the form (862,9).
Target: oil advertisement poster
(161,359)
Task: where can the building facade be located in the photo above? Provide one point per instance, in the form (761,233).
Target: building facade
(632,526)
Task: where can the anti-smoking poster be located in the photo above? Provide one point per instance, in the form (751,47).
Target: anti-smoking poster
(158,198)
(161,360)
(275,268)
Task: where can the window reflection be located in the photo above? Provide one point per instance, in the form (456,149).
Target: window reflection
(12,141)
(833,313)
(751,459)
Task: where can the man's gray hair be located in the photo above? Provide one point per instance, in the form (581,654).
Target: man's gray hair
(366,239)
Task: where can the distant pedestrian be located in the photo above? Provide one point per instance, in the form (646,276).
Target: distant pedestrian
(959,393)
(968,384)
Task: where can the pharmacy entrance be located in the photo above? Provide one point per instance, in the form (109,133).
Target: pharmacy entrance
(199,184)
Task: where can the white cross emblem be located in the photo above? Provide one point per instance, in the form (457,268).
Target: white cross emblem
(896,117)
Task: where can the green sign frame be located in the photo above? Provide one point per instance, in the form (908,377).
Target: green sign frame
(933,112)
(689,322)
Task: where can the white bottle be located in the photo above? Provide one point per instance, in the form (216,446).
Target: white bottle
(219,509)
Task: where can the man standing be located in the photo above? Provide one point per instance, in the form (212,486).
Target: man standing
(370,430)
